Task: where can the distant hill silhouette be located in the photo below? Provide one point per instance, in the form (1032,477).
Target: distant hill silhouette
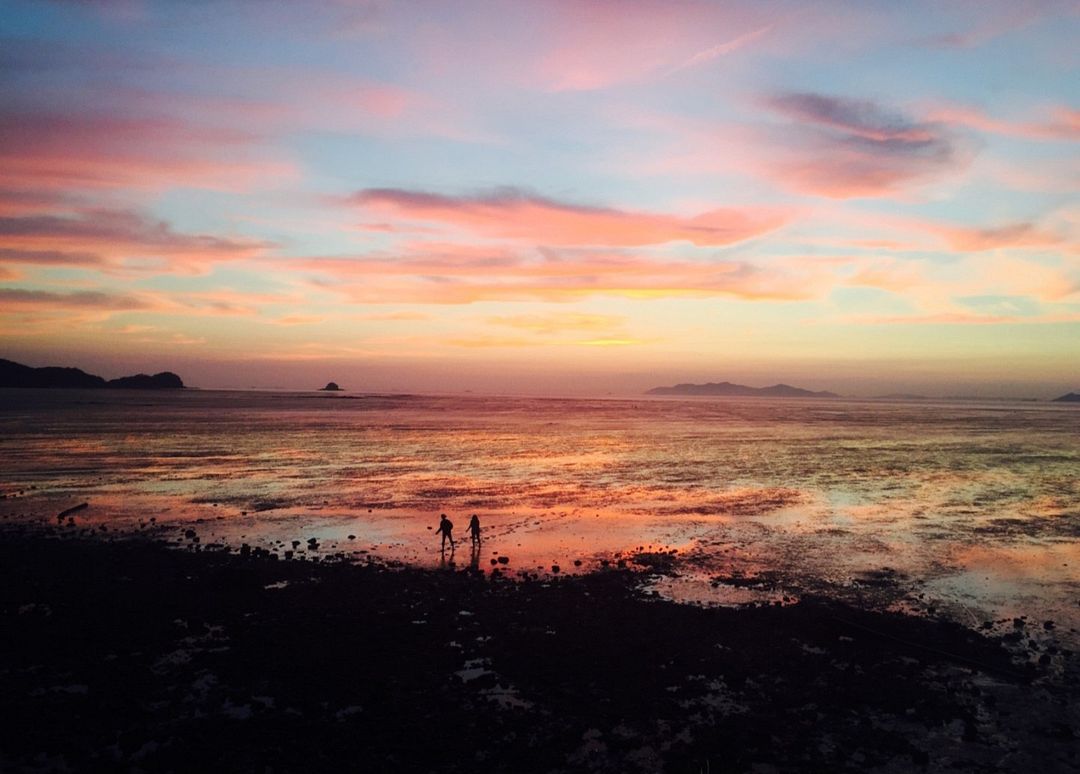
(1071,397)
(14,374)
(166,380)
(727,388)
(330,387)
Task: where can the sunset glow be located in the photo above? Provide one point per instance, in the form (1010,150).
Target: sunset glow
(546,197)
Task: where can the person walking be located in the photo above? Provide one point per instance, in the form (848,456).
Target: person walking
(474,529)
(446,529)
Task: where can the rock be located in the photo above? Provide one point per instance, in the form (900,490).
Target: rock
(504,560)
(330,387)
(189,534)
(245,549)
(555,569)
(71,510)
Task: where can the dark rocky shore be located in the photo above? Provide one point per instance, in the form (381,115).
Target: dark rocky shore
(127,655)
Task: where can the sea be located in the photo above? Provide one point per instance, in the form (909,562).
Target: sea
(963,509)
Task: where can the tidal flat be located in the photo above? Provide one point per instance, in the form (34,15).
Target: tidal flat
(662,585)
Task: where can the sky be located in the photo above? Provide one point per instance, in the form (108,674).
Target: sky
(546,197)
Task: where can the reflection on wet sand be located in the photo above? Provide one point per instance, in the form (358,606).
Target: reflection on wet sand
(973,503)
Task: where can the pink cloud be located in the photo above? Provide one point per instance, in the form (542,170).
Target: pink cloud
(512,214)
(1059,122)
(114,239)
(70,151)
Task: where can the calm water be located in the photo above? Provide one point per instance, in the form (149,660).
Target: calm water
(975,507)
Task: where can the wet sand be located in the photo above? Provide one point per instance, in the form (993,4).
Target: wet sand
(972,508)
(124,653)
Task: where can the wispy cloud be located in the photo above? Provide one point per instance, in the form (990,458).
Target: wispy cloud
(91,151)
(443,278)
(722,49)
(510,213)
(992,20)
(1012,235)
(117,238)
(1059,122)
(557,323)
(82,299)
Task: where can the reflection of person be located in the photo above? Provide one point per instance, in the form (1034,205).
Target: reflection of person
(446,529)
(474,529)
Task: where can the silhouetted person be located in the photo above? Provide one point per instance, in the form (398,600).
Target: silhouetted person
(446,529)
(474,529)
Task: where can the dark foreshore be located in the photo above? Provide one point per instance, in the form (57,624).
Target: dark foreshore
(128,655)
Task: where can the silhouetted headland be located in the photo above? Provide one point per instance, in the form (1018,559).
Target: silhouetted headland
(1072,397)
(727,388)
(330,387)
(17,375)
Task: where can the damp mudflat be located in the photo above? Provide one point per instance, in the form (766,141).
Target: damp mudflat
(966,509)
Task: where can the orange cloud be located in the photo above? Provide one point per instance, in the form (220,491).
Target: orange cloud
(443,278)
(395,317)
(509,213)
(1013,235)
(298,319)
(961,318)
(574,322)
(888,274)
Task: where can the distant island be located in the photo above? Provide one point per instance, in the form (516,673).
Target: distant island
(330,387)
(727,388)
(1072,397)
(14,374)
